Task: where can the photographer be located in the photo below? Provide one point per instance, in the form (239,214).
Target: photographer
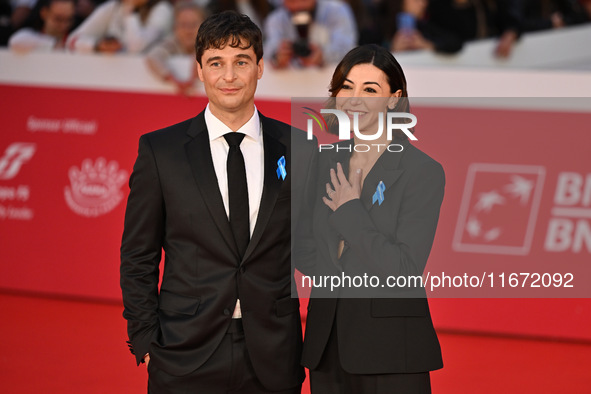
(46,28)
(305,33)
(122,26)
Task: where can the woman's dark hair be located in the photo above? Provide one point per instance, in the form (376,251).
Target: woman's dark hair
(379,57)
(369,54)
(228,28)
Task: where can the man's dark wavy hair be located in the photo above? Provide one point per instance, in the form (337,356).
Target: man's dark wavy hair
(228,28)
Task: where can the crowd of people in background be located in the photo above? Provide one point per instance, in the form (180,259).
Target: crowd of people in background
(297,33)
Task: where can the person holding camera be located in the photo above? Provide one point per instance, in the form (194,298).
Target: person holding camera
(307,33)
(129,26)
(47,27)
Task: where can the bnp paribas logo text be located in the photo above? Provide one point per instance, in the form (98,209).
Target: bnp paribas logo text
(386,123)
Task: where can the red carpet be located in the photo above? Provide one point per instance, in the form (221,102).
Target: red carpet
(64,346)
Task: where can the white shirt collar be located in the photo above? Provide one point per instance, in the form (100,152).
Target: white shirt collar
(216,128)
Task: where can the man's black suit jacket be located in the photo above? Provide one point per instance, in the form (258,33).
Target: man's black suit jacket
(175,205)
(377,334)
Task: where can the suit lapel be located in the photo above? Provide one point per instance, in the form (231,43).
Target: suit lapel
(385,169)
(199,155)
(273,151)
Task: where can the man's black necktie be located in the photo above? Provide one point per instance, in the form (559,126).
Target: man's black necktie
(238,192)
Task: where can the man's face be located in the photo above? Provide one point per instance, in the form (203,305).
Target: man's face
(58,18)
(299,5)
(230,77)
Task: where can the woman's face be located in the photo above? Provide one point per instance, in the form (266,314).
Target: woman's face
(186,26)
(366,92)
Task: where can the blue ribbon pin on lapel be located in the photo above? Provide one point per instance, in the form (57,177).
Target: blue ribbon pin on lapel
(281,172)
(379,194)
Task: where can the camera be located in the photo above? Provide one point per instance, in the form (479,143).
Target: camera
(302,21)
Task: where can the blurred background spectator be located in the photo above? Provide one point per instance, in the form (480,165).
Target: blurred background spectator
(366,13)
(46,27)
(84,8)
(20,12)
(404,26)
(5,25)
(309,33)
(477,19)
(586,9)
(300,33)
(125,25)
(188,16)
(551,14)
(13,14)
(256,10)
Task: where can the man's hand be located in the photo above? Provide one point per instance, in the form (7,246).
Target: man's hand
(283,55)
(147,359)
(557,20)
(315,58)
(401,42)
(108,45)
(505,44)
(407,41)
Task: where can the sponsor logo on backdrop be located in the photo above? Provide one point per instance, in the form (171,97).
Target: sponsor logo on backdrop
(569,228)
(12,197)
(15,194)
(95,187)
(65,126)
(499,209)
(15,155)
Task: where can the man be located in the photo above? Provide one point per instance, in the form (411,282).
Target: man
(224,320)
(307,33)
(49,28)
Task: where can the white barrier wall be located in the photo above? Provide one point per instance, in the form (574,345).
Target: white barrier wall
(542,65)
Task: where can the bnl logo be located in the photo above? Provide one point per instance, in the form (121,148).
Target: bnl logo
(14,157)
(499,209)
(344,124)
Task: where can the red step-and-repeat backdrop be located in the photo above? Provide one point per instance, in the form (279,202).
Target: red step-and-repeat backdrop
(518,201)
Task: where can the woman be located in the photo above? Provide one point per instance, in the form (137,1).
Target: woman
(256,10)
(377,216)
(407,27)
(188,16)
(46,28)
(123,26)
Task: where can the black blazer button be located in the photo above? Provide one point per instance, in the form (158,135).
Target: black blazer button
(227,312)
(242,270)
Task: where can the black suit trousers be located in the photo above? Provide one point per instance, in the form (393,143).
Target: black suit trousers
(228,371)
